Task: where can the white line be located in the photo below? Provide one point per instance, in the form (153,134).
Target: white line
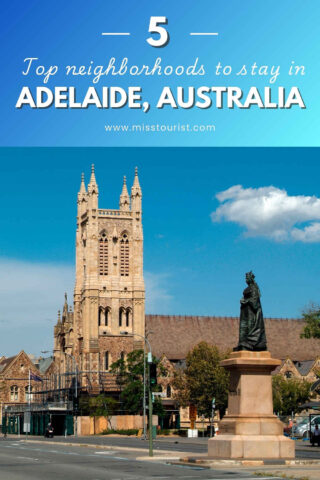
(115,33)
(203,33)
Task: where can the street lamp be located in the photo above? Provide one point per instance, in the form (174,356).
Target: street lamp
(144,389)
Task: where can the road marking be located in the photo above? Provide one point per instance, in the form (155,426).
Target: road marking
(111,452)
(29,458)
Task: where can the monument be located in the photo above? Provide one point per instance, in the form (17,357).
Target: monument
(250,430)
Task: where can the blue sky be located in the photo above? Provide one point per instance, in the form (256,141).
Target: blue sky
(197,246)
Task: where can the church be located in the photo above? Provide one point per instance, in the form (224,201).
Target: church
(108,318)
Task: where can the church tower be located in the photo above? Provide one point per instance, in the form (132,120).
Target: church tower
(109,293)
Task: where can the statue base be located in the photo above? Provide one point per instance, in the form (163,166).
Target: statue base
(250,430)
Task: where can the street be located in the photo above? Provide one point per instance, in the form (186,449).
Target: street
(194,446)
(24,460)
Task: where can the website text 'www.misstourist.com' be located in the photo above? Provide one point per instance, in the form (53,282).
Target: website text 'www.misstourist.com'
(159,127)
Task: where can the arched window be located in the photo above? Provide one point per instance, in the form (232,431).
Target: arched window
(106,317)
(128,317)
(122,356)
(14,393)
(120,316)
(103,254)
(27,393)
(168,391)
(100,316)
(124,255)
(106,361)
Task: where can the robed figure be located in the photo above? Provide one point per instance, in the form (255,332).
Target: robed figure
(252,335)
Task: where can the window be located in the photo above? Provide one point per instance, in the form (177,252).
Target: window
(122,356)
(168,391)
(100,313)
(120,316)
(288,374)
(127,317)
(124,256)
(106,317)
(14,393)
(106,361)
(27,394)
(103,254)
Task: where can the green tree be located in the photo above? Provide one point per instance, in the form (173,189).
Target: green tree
(202,379)
(289,394)
(98,406)
(311,317)
(129,373)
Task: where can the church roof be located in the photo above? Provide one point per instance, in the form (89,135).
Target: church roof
(174,336)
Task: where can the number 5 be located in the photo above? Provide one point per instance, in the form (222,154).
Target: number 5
(164,38)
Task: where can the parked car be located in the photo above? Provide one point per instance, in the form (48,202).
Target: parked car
(302,428)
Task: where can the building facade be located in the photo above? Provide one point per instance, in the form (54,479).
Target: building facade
(108,315)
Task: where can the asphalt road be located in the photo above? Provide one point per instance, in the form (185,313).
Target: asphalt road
(174,444)
(20,460)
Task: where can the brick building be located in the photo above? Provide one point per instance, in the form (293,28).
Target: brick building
(14,380)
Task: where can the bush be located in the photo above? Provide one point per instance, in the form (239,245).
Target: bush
(129,431)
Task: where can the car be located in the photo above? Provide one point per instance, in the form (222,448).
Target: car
(303,427)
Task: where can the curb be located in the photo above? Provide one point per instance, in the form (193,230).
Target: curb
(247,463)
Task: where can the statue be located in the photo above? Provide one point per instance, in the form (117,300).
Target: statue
(252,334)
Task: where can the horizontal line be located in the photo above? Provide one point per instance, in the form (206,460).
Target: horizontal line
(115,33)
(203,33)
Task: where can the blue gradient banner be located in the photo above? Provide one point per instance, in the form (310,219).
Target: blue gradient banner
(77,45)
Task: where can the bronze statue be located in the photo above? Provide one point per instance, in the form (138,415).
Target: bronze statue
(252,335)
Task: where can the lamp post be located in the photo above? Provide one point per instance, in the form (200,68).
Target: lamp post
(144,389)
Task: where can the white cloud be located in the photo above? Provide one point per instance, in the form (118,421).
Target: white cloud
(270,212)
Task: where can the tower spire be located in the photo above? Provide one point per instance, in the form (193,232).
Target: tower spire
(82,185)
(92,186)
(136,194)
(124,197)
(136,179)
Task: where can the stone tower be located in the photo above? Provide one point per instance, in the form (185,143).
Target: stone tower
(109,293)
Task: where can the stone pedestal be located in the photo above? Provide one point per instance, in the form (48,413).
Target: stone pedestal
(250,430)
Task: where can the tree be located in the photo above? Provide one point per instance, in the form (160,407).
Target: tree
(99,406)
(289,394)
(311,317)
(102,406)
(202,379)
(129,373)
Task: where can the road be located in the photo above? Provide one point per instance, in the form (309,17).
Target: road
(23,460)
(188,445)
